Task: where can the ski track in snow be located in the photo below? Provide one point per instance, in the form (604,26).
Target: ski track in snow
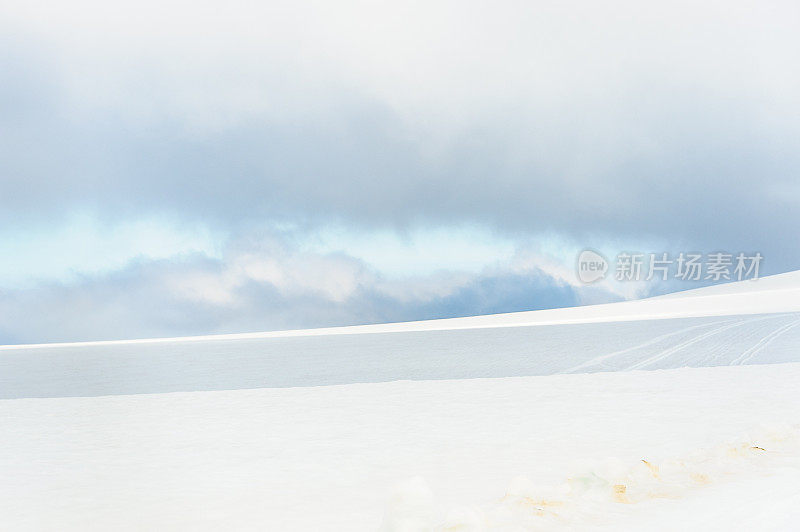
(765,334)
(602,358)
(718,353)
(683,345)
(763,343)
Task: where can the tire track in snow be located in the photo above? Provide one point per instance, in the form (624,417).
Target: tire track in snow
(599,359)
(763,343)
(683,345)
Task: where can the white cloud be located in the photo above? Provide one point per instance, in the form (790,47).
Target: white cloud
(486,140)
(261,286)
(415,251)
(441,65)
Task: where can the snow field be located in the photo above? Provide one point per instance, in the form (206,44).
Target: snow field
(326,458)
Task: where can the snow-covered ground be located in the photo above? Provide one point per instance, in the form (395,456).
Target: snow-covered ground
(328,458)
(559,438)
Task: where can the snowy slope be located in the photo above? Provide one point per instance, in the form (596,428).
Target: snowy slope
(419,355)
(698,330)
(558,438)
(786,284)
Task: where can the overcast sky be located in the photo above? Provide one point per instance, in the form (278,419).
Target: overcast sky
(171,168)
